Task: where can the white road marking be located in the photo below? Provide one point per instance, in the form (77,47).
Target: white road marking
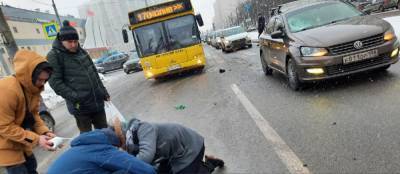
(285,153)
(248,53)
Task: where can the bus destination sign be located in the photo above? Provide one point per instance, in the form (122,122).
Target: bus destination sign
(159,11)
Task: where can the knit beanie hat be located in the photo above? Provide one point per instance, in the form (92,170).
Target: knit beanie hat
(67,32)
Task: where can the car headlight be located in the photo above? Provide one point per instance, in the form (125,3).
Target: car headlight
(124,66)
(389,35)
(219,40)
(313,52)
(227,42)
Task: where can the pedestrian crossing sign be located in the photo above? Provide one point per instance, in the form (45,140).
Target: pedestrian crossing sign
(50,30)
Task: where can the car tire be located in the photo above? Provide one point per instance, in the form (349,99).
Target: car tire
(381,9)
(250,46)
(223,50)
(267,70)
(49,121)
(292,75)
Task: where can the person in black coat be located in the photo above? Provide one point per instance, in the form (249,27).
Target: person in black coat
(261,24)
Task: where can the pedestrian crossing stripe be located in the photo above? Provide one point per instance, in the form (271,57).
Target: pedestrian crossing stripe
(50,30)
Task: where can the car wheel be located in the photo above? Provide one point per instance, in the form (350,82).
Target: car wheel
(381,9)
(223,50)
(292,75)
(251,45)
(49,121)
(267,70)
(199,70)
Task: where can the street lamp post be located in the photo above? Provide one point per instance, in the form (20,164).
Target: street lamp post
(56,12)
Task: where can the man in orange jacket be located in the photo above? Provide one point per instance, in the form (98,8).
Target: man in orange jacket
(21,128)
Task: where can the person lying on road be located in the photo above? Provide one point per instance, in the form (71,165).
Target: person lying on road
(97,152)
(172,147)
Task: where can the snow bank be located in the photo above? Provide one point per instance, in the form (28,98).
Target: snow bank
(395,21)
(51,99)
(253,36)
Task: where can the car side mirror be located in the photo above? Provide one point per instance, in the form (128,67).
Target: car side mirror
(125,35)
(199,20)
(277,34)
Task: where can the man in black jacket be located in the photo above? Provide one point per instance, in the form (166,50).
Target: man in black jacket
(261,24)
(75,78)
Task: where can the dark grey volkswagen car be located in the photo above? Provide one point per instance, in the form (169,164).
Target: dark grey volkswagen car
(316,40)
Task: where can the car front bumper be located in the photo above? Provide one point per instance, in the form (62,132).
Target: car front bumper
(237,44)
(333,66)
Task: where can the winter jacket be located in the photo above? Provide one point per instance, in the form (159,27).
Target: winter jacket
(75,78)
(157,142)
(14,140)
(93,153)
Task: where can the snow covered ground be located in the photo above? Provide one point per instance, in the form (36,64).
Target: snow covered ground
(253,36)
(395,21)
(51,99)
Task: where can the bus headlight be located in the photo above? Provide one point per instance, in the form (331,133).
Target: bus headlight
(149,74)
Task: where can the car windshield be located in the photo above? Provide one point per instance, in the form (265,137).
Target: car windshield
(167,36)
(319,15)
(232,31)
(134,56)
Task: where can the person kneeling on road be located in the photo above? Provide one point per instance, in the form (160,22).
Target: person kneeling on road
(172,147)
(21,128)
(97,152)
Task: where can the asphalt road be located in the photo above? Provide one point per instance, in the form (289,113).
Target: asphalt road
(347,125)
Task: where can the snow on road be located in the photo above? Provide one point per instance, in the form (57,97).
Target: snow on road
(51,99)
(395,21)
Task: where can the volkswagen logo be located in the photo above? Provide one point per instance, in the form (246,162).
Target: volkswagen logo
(358,44)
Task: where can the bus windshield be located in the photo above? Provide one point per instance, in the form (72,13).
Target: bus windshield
(167,36)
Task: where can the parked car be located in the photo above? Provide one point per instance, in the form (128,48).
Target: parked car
(317,40)
(361,5)
(234,38)
(133,64)
(112,63)
(216,40)
(46,116)
(382,5)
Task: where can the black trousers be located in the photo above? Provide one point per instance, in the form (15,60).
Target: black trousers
(85,121)
(198,166)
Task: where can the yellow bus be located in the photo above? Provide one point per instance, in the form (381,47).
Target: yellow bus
(167,38)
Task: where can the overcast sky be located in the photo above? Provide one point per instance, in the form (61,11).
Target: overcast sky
(205,7)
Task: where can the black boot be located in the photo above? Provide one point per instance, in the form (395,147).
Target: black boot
(212,163)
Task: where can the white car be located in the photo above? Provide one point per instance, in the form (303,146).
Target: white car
(235,38)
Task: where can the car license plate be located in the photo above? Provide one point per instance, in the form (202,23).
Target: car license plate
(174,67)
(360,57)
